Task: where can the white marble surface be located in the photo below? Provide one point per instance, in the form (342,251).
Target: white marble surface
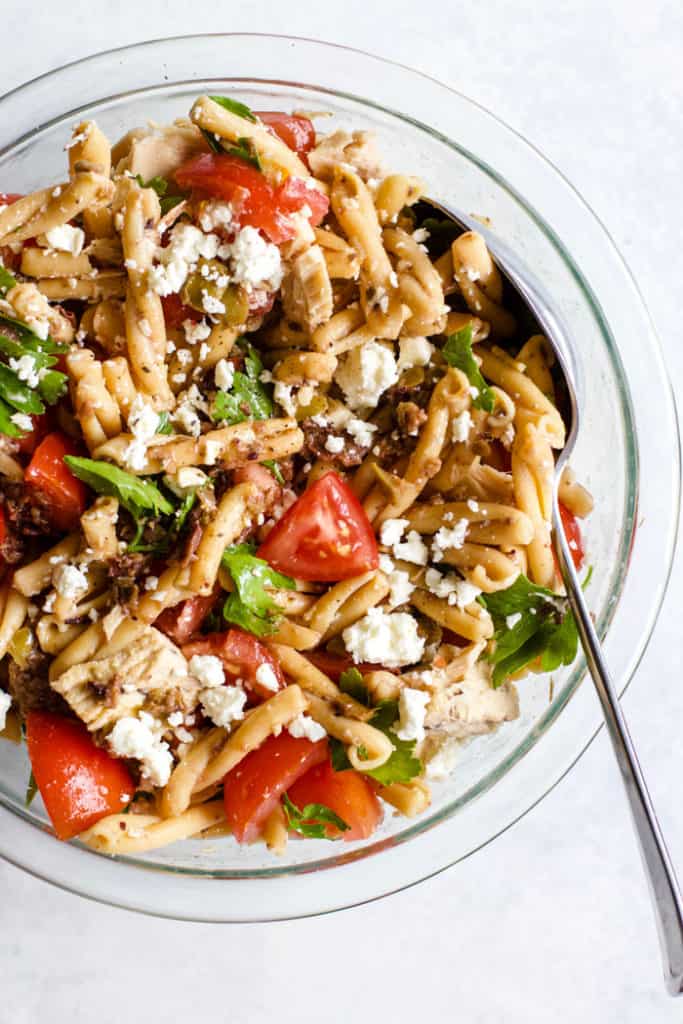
(552,921)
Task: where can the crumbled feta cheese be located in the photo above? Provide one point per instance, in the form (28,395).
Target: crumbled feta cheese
(365,373)
(49,605)
(360,431)
(185,480)
(461,426)
(223,704)
(512,620)
(391,531)
(334,444)
(387,639)
(412,707)
(224,374)
(207,669)
(303,727)
(187,245)
(186,417)
(282,393)
(26,370)
(5,704)
(66,238)
(401,588)
(255,262)
(69,581)
(175,719)
(413,352)
(21,420)
(449,537)
(412,549)
(420,235)
(212,451)
(441,763)
(265,675)
(457,591)
(212,305)
(133,737)
(215,214)
(143,423)
(151,583)
(472,505)
(195,332)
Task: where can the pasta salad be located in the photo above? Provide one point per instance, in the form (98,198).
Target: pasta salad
(276,468)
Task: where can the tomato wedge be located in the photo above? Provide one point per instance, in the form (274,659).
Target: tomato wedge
(242,656)
(255,201)
(347,793)
(294,130)
(176,312)
(183,620)
(334,664)
(78,781)
(325,535)
(572,532)
(64,496)
(254,786)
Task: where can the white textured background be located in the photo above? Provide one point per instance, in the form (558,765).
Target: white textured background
(551,922)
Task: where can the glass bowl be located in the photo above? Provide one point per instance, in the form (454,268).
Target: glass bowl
(627,454)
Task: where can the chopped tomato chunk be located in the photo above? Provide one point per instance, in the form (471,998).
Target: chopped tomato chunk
(242,656)
(325,535)
(334,664)
(253,788)
(255,201)
(183,620)
(572,532)
(63,496)
(294,130)
(78,781)
(347,793)
(176,312)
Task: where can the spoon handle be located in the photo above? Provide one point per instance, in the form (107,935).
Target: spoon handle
(664,891)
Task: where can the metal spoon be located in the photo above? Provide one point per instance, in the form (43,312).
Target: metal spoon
(661,878)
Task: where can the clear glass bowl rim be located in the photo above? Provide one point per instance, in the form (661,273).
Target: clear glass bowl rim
(108,55)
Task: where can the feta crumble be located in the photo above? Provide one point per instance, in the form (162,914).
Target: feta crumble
(305,727)
(255,262)
(456,591)
(391,531)
(412,708)
(387,639)
(215,213)
(22,420)
(224,374)
(360,431)
(26,370)
(449,537)
(334,444)
(265,675)
(207,669)
(187,245)
(134,737)
(414,352)
(365,374)
(143,423)
(196,332)
(461,426)
(223,704)
(412,549)
(186,480)
(66,238)
(69,581)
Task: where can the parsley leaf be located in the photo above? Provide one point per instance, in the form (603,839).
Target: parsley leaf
(312,820)
(543,628)
(351,682)
(235,107)
(160,186)
(248,398)
(251,606)
(7,280)
(402,766)
(31,790)
(140,496)
(18,341)
(244,150)
(458,352)
(274,468)
(165,426)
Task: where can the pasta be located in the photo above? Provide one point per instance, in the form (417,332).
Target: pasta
(284,539)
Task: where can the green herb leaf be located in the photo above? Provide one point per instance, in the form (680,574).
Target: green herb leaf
(351,682)
(17,394)
(543,627)
(274,468)
(164,425)
(140,496)
(248,398)
(402,766)
(458,352)
(7,280)
(6,425)
(19,331)
(312,820)
(160,186)
(212,141)
(31,790)
(251,606)
(168,202)
(52,386)
(235,107)
(244,150)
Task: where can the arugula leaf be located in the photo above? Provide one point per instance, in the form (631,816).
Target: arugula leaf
(165,426)
(251,606)
(19,331)
(402,766)
(311,821)
(140,496)
(235,107)
(160,186)
(6,425)
(31,790)
(543,627)
(17,340)
(52,386)
(7,280)
(244,150)
(274,468)
(351,682)
(458,352)
(213,143)
(17,394)
(248,398)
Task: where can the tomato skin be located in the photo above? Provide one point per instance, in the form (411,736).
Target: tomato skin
(176,312)
(325,535)
(347,793)
(256,203)
(253,788)
(64,496)
(7,198)
(78,781)
(334,664)
(241,654)
(30,441)
(294,130)
(572,532)
(183,620)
